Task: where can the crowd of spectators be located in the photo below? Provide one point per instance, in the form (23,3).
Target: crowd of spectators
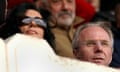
(58,20)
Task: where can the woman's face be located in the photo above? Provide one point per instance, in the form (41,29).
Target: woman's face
(32,28)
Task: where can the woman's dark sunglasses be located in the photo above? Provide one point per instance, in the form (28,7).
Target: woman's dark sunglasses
(37,20)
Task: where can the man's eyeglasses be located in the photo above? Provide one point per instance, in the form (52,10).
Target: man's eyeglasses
(37,20)
(92,43)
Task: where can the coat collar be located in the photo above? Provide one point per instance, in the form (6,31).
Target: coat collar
(76,22)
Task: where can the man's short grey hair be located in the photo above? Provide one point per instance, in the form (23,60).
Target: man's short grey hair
(105,25)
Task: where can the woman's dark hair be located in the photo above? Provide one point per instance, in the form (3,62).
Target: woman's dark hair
(2,11)
(13,20)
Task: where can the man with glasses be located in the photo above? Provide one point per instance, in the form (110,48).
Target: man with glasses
(93,42)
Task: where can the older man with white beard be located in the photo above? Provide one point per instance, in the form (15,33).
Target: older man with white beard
(62,21)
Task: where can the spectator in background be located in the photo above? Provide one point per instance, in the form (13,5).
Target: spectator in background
(26,19)
(93,42)
(62,21)
(102,11)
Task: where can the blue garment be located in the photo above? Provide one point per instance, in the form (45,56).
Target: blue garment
(116,53)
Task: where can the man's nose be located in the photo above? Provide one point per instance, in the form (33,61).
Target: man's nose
(65,5)
(98,46)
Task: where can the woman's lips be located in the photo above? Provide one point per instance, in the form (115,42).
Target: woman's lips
(31,32)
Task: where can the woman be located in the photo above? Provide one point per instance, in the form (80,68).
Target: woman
(27,19)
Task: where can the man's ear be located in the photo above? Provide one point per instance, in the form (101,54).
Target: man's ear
(75,52)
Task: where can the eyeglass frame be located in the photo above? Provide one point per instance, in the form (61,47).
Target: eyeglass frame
(93,43)
(30,19)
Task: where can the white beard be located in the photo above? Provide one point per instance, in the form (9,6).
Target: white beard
(65,22)
(59,20)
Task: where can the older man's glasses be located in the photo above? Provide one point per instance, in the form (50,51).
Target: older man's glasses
(92,43)
(38,21)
